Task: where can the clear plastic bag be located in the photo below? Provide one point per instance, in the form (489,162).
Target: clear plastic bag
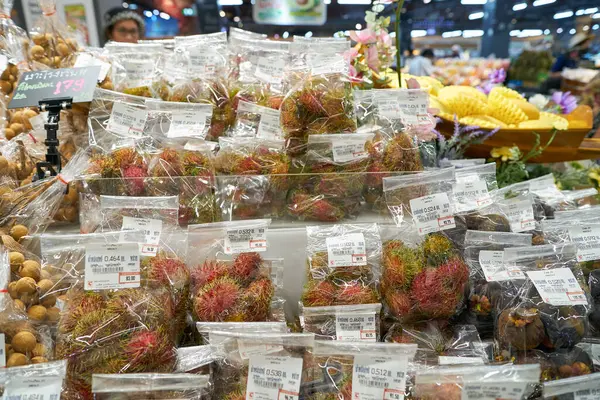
(343,265)
(196,359)
(461,163)
(353,323)
(422,277)
(14,48)
(253,179)
(34,381)
(484,254)
(495,381)
(233,280)
(52,39)
(205,329)
(139,74)
(590,214)
(150,386)
(184,121)
(522,212)
(548,307)
(203,55)
(258,117)
(572,388)
(349,370)
(246,357)
(583,198)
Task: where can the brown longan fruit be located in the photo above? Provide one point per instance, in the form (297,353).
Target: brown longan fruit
(39,350)
(15,257)
(17,117)
(30,299)
(29,113)
(9,133)
(17,128)
(39,360)
(5,86)
(72,43)
(45,61)
(37,52)
(63,49)
(53,314)
(18,231)
(31,269)
(12,290)
(19,304)
(3,163)
(23,342)
(16,360)
(48,301)
(37,313)
(8,350)
(45,284)
(26,285)
(71,214)
(45,275)
(39,39)
(5,74)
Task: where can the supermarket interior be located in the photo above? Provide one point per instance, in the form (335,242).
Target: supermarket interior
(300,200)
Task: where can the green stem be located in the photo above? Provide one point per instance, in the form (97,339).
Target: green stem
(399,6)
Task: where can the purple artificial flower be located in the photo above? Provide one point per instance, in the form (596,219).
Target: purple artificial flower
(486,89)
(565,101)
(497,76)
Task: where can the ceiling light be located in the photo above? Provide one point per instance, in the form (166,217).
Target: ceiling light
(546,31)
(563,14)
(586,28)
(538,3)
(477,15)
(595,27)
(125,5)
(236,19)
(515,32)
(148,13)
(365,2)
(418,33)
(327,2)
(165,16)
(473,2)
(426,1)
(451,34)
(308,34)
(473,33)
(559,30)
(222,14)
(358,26)
(133,6)
(530,32)
(572,31)
(230,2)
(519,6)
(596,16)
(155,12)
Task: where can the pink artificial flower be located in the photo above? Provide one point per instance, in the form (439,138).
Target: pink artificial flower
(366,36)
(412,83)
(354,75)
(385,38)
(373,58)
(350,55)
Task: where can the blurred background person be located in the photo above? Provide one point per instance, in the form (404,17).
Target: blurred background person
(123,25)
(422,64)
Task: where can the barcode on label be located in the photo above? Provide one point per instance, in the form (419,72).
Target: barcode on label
(342,252)
(375,384)
(268,384)
(107,270)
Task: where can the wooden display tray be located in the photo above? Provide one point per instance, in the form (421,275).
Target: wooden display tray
(567,145)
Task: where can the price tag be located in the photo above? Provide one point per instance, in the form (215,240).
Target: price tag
(139,72)
(432,213)
(152,229)
(268,125)
(492,264)
(270,69)
(187,123)
(78,83)
(274,378)
(410,106)
(126,119)
(471,195)
(494,391)
(558,287)
(88,60)
(379,377)
(248,349)
(450,360)
(587,239)
(346,251)
(389,108)
(520,215)
(204,60)
(2,350)
(327,63)
(589,391)
(32,387)
(112,266)
(348,150)
(356,327)
(245,240)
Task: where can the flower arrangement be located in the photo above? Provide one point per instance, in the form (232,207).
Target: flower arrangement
(496,77)
(461,139)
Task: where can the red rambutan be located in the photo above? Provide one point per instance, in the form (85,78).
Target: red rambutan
(319,293)
(149,351)
(399,303)
(431,298)
(400,264)
(274,102)
(311,101)
(134,178)
(356,293)
(215,301)
(257,300)
(126,156)
(309,207)
(169,271)
(208,272)
(246,266)
(453,274)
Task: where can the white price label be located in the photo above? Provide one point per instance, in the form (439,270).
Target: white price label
(274,378)
(432,213)
(389,108)
(127,120)
(248,349)
(595,350)
(327,63)
(410,106)
(268,125)
(346,251)
(494,391)
(270,69)
(558,287)
(152,229)
(379,377)
(188,123)
(454,360)
(34,388)
(356,327)
(494,268)
(205,61)
(139,72)
(112,266)
(2,350)
(588,390)
(587,239)
(88,60)
(471,195)
(520,215)
(348,150)
(245,240)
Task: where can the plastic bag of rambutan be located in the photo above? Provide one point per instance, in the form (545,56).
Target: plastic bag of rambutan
(348,371)
(262,365)
(343,265)
(201,55)
(548,305)
(205,328)
(484,254)
(572,387)
(515,382)
(143,386)
(42,381)
(177,121)
(196,359)
(233,280)
(422,277)
(252,179)
(351,323)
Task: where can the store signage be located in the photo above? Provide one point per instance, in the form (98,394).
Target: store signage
(290,12)
(78,83)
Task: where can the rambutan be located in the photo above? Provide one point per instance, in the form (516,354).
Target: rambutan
(311,101)
(257,300)
(79,304)
(167,163)
(400,264)
(356,293)
(170,272)
(333,104)
(134,176)
(399,303)
(437,249)
(274,102)
(319,293)
(208,272)
(215,301)
(105,166)
(402,154)
(195,164)
(149,351)
(246,266)
(126,156)
(453,274)
(431,298)
(305,206)
(340,123)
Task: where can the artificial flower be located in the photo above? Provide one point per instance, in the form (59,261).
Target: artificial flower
(540,101)
(350,54)
(365,36)
(373,58)
(498,76)
(565,101)
(506,153)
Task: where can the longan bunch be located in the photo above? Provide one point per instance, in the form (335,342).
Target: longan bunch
(9,79)
(31,291)
(23,344)
(69,207)
(18,121)
(51,48)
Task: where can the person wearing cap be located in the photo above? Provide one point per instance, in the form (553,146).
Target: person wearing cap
(578,45)
(123,25)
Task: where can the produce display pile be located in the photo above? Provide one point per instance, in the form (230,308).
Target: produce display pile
(234,220)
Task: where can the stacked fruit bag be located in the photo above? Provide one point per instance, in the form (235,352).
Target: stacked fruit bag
(31,381)
(150,386)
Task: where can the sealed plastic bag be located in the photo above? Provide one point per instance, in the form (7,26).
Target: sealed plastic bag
(348,371)
(14,47)
(41,381)
(351,323)
(484,253)
(174,120)
(579,387)
(52,38)
(522,212)
(514,382)
(233,280)
(196,359)
(150,386)
(254,119)
(461,163)
(549,307)
(139,74)
(589,214)
(343,265)
(263,365)
(422,277)
(583,198)
(205,329)
(203,55)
